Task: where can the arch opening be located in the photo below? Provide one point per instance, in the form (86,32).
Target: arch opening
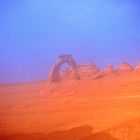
(54,75)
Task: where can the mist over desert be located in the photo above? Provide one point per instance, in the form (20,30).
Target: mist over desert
(99,105)
(69,69)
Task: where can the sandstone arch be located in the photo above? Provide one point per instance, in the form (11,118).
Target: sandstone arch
(54,75)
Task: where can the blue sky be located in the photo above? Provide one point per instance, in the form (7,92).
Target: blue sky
(34,32)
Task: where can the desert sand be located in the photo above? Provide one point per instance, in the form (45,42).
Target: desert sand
(107,108)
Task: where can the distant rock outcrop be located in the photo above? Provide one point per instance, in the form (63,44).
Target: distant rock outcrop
(125,67)
(54,75)
(88,70)
(85,70)
(110,69)
(137,68)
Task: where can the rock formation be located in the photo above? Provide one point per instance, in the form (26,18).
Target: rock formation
(137,68)
(67,73)
(125,67)
(110,70)
(54,75)
(85,70)
(88,70)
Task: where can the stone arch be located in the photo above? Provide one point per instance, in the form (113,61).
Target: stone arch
(54,75)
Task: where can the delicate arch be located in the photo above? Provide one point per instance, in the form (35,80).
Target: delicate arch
(54,75)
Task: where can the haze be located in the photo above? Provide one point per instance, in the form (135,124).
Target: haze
(34,32)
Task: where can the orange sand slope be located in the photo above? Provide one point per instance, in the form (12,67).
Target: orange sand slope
(110,106)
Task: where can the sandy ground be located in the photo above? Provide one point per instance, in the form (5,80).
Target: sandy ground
(109,104)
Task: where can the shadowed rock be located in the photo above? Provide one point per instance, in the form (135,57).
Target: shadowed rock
(54,75)
(125,67)
(77,133)
(100,136)
(137,68)
(85,70)
(88,70)
(110,70)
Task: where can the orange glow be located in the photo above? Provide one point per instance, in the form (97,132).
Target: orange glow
(110,105)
